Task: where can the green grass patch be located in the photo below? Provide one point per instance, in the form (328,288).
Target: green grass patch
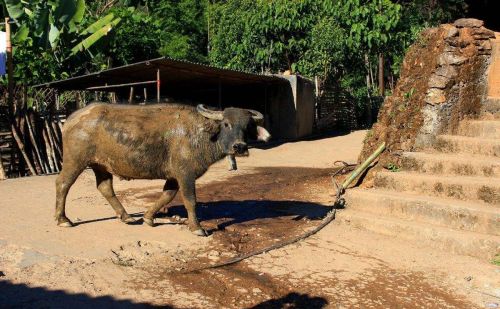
(496,260)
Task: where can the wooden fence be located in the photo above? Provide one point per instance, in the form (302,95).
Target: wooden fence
(30,136)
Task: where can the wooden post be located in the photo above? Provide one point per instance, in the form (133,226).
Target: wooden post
(3,176)
(145,95)
(56,99)
(10,69)
(158,82)
(131,95)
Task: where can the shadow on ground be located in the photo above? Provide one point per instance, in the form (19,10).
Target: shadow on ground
(222,214)
(294,300)
(278,142)
(22,296)
(236,212)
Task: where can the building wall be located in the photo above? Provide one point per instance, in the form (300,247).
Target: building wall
(291,108)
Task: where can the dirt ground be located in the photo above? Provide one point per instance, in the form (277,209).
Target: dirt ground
(277,193)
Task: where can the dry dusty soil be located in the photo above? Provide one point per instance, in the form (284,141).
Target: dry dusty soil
(277,193)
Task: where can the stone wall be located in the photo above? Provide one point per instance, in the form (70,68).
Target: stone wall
(443,80)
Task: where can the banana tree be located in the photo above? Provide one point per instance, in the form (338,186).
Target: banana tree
(52,23)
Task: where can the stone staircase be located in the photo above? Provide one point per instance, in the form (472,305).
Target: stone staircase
(446,197)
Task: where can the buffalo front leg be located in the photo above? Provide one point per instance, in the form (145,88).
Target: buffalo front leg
(104,182)
(231,159)
(64,181)
(188,192)
(169,191)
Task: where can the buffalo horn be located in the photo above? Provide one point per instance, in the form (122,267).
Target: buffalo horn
(257,116)
(215,115)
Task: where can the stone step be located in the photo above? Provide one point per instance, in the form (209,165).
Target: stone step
(452,164)
(472,145)
(480,128)
(489,116)
(478,245)
(459,215)
(470,188)
(491,105)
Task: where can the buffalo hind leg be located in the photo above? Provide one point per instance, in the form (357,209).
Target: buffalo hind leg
(169,191)
(188,192)
(104,182)
(64,181)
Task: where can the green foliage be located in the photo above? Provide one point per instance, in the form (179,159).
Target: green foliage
(49,34)
(57,38)
(268,35)
(393,167)
(174,28)
(370,22)
(328,52)
(407,95)
(183,28)
(496,260)
(337,41)
(96,31)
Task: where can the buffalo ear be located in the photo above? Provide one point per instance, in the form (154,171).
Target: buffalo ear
(263,134)
(212,128)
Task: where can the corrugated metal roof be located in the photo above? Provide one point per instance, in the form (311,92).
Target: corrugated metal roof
(173,72)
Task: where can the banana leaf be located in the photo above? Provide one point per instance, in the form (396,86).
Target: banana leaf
(14,8)
(99,24)
(94,37)
(21,34)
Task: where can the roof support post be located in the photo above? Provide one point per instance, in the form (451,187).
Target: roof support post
(265,99)
(158,85)
(10,69)
(220,94)
(131,95)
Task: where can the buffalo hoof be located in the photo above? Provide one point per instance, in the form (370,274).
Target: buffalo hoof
(128,220)
(149,221)
(64,223)
(200,232)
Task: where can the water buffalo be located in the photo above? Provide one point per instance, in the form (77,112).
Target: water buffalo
(166,141)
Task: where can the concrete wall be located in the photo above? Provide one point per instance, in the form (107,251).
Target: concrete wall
(291,108)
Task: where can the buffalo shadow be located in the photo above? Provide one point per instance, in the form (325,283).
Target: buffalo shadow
(236,212)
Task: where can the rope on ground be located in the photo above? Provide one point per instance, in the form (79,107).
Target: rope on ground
(330,216)
(326,220)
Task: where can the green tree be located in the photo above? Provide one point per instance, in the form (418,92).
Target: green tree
(50,36)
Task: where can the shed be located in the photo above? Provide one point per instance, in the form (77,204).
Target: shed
(287,102)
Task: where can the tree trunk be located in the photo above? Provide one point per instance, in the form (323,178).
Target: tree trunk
(381,83)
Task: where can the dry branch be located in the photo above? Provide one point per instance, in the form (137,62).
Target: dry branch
(20,145)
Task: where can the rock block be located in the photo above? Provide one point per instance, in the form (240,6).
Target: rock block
(468,23)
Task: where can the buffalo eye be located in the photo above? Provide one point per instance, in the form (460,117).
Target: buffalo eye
(226,125)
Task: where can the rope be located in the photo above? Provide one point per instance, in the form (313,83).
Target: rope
(330,216)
